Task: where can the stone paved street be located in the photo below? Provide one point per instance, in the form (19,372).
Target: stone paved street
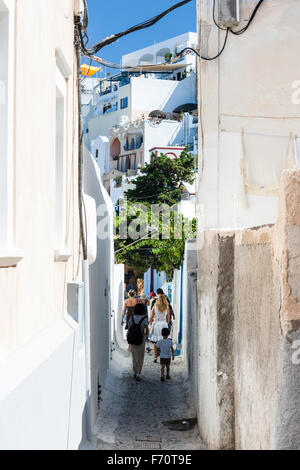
(133,412)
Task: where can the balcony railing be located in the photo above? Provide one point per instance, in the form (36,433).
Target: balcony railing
(109,90)
(127,162)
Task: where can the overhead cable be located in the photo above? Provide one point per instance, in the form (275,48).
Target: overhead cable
(243,30)
(145,24)
(92,51)
(186,49)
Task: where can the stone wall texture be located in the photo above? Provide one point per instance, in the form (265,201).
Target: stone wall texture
(248,329)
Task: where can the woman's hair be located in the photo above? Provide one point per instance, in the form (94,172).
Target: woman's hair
(131,293)
(162,304)
(160,292)
(139,309)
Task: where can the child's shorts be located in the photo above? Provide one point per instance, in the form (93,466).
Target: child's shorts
(165,362)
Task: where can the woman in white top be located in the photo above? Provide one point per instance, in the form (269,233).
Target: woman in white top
(160,316)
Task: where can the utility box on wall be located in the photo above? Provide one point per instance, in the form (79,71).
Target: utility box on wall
(229,13)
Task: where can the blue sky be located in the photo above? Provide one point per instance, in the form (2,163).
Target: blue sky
(109,17)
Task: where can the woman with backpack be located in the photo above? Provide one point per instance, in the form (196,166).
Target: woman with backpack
(137,336)
(160,317)
(129,308)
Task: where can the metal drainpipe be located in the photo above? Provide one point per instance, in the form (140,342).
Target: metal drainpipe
(85,264)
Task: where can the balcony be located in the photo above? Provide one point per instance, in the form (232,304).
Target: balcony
(134,144)
(127,163)
(109,90)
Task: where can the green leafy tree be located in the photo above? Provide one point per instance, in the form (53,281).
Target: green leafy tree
(156,242)
(162,180)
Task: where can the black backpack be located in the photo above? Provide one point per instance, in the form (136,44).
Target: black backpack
(135,335)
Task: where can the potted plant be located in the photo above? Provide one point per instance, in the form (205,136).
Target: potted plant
(118,181)
(168,56)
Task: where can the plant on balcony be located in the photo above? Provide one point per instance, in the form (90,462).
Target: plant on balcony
(168,56)
(118,181)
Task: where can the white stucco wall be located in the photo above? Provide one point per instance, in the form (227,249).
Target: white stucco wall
(100,125)
(149,94)
(42,392)
(101,278)
(249,88)
(181,41)
(118,303)
(41,358)
(101,146)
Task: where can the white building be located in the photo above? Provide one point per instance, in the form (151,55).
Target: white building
(51,367)
(131,96)
(122,129)
(244,321)
(156,54)
(132,145)
(250,118)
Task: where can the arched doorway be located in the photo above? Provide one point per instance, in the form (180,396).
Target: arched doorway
(115,148)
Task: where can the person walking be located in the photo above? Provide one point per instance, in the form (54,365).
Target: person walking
(137,336)
(144,301)
(129,307)
(153,299)
(172,314)
(165,350)
(160,317)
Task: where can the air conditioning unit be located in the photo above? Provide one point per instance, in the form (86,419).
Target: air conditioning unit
(229,13)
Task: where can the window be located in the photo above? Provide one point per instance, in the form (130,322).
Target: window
(97,153)
(60,158)
(63,71)
(4,125)
(124,103)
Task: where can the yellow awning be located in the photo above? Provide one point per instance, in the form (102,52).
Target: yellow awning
(88,70)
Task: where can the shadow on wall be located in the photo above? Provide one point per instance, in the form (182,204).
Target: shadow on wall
(185,92)
(120,342)
(100,285)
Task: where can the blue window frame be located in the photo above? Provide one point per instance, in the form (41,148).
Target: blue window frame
(124,103)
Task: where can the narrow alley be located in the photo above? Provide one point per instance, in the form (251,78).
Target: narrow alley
(149,191)
(132,415)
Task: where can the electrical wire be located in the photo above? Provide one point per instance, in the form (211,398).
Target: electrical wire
(243,30)
(137,241)
(153,195)
(145,24)
(207,58)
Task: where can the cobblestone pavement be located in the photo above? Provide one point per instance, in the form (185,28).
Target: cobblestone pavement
(132,414)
